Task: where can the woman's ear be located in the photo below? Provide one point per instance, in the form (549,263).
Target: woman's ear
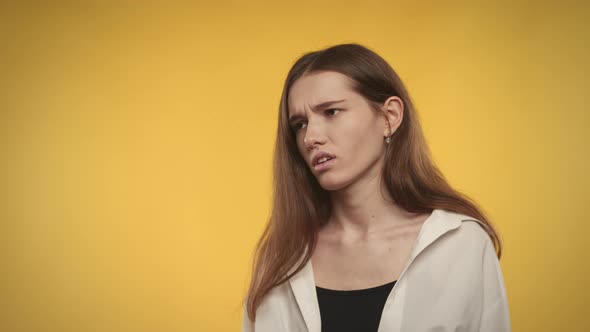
(393,111)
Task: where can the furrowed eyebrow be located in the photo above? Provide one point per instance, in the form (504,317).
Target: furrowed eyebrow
(317,107)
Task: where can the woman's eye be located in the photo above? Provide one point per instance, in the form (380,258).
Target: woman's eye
(332,109)
(297,126)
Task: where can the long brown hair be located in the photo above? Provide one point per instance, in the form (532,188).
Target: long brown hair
(301,206)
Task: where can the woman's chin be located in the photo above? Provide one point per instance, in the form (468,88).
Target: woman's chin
(330,183)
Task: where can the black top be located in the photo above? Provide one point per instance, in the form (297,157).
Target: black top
(356,310)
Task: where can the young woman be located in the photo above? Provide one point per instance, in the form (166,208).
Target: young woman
(365,232)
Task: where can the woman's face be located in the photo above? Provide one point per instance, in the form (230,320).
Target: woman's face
(349,130)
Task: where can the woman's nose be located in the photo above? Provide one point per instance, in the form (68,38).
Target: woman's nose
(313,136)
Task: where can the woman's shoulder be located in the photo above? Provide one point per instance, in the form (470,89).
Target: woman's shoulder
(468,233)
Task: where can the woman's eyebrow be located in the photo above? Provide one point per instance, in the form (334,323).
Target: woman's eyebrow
(317,107)
(327,104)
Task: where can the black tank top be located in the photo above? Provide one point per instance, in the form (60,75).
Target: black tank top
(356,310)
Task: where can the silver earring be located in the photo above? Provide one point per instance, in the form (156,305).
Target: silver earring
(388,140)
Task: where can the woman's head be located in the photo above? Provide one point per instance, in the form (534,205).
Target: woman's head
(330,117)
(376,106)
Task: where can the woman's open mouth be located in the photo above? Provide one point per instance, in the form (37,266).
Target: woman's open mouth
(323,165)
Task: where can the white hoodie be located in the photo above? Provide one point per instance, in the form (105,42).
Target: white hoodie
(452,281)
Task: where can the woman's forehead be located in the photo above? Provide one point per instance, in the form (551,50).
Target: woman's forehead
(313,90)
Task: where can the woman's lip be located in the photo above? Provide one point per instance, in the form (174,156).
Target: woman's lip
(324,165)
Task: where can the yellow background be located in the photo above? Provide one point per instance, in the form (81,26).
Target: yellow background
(137,142)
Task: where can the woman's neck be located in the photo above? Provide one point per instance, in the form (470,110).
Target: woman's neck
(362,209)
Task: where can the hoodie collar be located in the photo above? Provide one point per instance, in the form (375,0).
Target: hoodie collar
(303,284)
